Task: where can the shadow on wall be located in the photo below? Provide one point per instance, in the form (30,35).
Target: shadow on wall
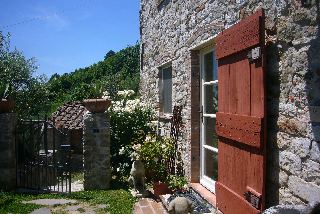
(273,94)
(312,78)
(312,89)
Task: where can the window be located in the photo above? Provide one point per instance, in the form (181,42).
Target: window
(162,3)
(166,89)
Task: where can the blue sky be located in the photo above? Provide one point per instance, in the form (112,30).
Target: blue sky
(67,34)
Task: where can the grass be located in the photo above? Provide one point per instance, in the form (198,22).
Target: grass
(11,203)
(118,200)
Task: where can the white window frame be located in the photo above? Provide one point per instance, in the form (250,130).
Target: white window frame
(205,180)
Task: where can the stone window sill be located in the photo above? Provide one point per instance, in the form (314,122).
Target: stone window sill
(206,194)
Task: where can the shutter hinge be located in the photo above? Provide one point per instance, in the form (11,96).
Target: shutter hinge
(253,197)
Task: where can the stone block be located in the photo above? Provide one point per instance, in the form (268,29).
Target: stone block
(286,197)
(311,171)
(300,146)
(315,151)
(283,140)
(307,191)
(285,209)
(292,126)
(283,178)
(290,162)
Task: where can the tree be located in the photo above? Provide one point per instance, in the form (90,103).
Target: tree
(17,82)
(109,54)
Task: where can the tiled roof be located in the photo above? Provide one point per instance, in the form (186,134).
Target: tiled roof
(69,116)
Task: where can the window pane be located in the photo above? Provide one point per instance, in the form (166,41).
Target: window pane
(210,136)
(167,90)
(210,67)
(211,164)
(210,99)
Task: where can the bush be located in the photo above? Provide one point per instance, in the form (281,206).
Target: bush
(128,120)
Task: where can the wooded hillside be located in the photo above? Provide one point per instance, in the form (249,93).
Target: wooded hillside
(118,71)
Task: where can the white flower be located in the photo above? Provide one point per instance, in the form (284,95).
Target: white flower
(136,147)
(155,159)
(125,93)
(148,138)
(122,151)
(120,93)
(106,95)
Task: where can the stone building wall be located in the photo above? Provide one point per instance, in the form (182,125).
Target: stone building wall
(170,30)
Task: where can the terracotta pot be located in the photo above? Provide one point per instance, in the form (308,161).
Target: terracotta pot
(97,105)
(6,106)
(160,188)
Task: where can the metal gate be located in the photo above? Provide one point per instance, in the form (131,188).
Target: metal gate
(43,157)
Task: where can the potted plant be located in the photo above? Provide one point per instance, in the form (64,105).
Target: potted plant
(178,183)
(100,100)
(155,153)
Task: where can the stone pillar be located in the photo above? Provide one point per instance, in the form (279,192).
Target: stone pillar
(96,150)
(7,151)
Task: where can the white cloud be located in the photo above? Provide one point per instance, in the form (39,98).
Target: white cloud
(55,19)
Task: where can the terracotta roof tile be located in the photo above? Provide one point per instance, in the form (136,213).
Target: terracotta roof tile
(69,116)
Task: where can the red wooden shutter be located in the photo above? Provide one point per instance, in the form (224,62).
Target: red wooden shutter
(241,117)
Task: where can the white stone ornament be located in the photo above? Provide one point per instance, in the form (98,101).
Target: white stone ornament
(137,179)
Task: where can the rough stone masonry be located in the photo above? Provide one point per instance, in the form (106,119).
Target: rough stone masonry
(7,151)
(96,151)
(171,29)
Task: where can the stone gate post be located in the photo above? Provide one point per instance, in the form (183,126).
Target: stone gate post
(7,151)
(96,150)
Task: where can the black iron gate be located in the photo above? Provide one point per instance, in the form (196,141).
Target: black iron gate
(43,157)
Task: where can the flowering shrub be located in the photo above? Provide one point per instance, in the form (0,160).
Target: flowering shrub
(129,120)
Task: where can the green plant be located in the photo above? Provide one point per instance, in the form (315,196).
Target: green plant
(15,70)
(155,152)
(129,121)
(177,182)
(97,90)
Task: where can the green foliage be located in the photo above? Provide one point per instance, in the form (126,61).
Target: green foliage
(11,203)
(155,152)
(17,83)
(36,95)
(118,71)
(15,69)
(177,182)
(126,126)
